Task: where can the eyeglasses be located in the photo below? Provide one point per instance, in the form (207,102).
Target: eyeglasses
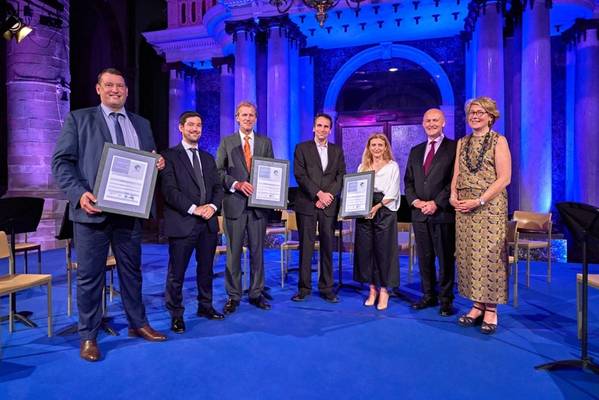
(478,113)
(110,85)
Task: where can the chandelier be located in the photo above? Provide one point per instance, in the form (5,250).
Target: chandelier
(321,7)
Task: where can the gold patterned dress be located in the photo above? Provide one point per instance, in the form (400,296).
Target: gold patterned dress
(481,234)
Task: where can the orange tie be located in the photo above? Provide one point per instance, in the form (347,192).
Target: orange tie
(247,152)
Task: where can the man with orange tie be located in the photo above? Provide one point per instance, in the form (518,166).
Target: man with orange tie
(234,161)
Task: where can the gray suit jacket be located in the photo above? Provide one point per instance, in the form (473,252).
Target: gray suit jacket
(78,151)
(231,167)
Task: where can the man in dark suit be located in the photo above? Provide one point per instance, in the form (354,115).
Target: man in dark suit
(427,187)
(233,160)
(319,167)
(193,194)
(75,164)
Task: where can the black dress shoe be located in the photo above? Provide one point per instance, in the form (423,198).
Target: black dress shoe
(230,306)
(425,303)
(446,310)
(330,297)
(177,325)
(300,296)
(260,302)
(210,313)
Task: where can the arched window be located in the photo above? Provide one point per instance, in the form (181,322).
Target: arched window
(183,13)
(194,16)
(203,7)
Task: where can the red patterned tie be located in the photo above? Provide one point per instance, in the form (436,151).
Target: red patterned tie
(429,158)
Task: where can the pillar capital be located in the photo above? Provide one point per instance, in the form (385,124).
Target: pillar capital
(285,27)
(248,27)
(228,62)
(578,32)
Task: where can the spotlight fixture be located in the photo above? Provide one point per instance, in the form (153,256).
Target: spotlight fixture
(321,7)
(11,25)
(393,69)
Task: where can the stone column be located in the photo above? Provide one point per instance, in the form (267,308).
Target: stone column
(38,88)
(176,98)
(513,89)
(227,94)
(277,90)
(535,136)
(489,56)
(586,106)
(244,35)
(306,98)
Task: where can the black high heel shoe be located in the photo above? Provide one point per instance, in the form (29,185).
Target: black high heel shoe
(486,328)
(467,321)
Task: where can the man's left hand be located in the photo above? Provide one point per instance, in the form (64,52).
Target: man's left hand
(429,208)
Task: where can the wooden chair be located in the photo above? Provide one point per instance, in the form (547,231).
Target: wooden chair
(289,244)
(536,223)
(25,247)
(407,242)
(13,283)
(512,254)
(222,249)
(594,283)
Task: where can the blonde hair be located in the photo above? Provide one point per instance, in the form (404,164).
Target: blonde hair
(367,160)
(246,104)
(488,104)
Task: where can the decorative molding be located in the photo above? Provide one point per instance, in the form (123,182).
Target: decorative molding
(184,44)
(578,31)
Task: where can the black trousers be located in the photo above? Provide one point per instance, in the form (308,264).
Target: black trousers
(375,259)
(204,243)
(306,225)
(434,240)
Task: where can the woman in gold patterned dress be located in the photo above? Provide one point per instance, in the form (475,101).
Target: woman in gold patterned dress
(482,171)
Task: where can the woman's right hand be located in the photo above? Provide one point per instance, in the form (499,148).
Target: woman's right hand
(453,200)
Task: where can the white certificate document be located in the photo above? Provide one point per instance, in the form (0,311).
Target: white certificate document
(356,196)
(125,181)
(269,183)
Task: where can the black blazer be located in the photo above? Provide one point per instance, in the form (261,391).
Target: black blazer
(310,178)
(434,186)
(181,189)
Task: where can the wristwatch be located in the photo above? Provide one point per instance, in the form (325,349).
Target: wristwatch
(481,201)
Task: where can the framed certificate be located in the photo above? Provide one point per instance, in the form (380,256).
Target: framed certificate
(126,181)
(270,179)
(356,195)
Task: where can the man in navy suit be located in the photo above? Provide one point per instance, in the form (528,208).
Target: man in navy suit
(234,162)
(193,194)
(427,186)
(75,164)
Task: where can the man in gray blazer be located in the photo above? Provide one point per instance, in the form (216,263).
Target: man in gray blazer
(75,164)
(233,160)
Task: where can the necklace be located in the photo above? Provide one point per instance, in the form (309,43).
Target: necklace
(481,155)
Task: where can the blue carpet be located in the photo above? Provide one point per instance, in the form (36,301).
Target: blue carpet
(312,350)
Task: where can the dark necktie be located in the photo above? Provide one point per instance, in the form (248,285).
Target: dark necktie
(118,131)
(429,158)
(197,169)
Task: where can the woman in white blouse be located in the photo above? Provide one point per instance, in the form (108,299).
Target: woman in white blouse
(375,246)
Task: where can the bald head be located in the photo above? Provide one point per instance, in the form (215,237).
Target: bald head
(433,122)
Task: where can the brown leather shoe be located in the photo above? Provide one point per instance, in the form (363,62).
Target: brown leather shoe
(148,333)
(89,351)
